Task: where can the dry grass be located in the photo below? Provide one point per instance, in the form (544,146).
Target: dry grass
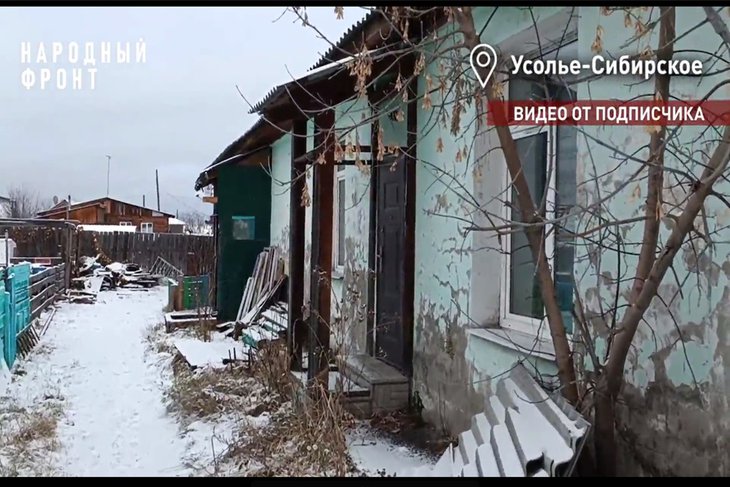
(307,441)
(157,341)
(307,432)
(27,438)
(209,392)
(303,435)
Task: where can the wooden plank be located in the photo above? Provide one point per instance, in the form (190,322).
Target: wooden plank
(258,279)
(38,286)
(245,299)
(40,275)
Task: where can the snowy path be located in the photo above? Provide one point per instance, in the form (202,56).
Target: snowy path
(115,422)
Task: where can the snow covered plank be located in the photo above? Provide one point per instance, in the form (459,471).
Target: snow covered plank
(198,353)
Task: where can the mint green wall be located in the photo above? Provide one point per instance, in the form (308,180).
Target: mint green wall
(451,367)
(280,182)
(349,290)
(677,388)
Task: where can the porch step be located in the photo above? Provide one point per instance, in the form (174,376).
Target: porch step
(388,387)
(354,398)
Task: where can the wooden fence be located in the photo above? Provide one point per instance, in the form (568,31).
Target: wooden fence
(45,287)
(182,251)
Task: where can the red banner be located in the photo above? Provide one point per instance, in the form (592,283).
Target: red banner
(606,112)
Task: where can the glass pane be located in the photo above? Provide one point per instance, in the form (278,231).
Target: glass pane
(244,228)
(525,299)
(341,222)
(564,241)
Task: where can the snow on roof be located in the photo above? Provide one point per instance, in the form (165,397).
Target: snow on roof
(108,228)
(174,221)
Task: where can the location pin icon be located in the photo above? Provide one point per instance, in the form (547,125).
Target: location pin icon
(483,57)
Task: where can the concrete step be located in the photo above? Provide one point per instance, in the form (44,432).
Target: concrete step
(354,398)
(389,388)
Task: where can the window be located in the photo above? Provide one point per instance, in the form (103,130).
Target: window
(244,228)
(549,156)
(146,227)
(339,248)
(125,224)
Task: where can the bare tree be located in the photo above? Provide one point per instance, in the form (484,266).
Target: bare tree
(195,222)
(25,202)
(672,218)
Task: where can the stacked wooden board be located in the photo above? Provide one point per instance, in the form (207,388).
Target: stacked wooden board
(268,276)
(270,326)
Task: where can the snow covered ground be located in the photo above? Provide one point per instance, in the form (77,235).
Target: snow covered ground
(91,398)
(114,420)
(376,455)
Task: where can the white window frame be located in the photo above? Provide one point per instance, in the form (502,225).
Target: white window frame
(338,270)
(149,225)
(511,320)
(525,324)
(125,224)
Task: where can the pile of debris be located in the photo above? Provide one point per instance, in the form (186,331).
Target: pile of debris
(93,277)
(262,316)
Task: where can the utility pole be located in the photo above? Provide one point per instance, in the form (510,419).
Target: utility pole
(143,205)
(157,182)
(108,170)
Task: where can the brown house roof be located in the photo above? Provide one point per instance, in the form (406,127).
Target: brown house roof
(62,206)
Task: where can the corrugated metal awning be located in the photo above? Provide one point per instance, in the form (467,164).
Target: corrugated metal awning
(523,432)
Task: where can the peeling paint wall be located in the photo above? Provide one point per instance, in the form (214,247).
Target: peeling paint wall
(352,303)
(674,419)
(349,291)
(457,283)
(280,184)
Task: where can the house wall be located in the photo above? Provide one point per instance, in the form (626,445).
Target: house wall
(352,292)
(349,290)
(674,410)
(280,180)
(118,211)
(457,282)
(112,212)
(236,258)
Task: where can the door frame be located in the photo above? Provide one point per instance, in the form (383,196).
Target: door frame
(408,264)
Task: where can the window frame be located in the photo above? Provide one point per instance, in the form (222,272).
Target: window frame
(338,270)
(508,320)
(149,225)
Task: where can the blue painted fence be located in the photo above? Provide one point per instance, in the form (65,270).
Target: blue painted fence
(15,302)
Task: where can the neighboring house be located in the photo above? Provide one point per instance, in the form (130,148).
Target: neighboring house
(175,225)
(5,203)
(110,211)
(446,310)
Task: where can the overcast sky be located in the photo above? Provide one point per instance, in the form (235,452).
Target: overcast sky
(175,113)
